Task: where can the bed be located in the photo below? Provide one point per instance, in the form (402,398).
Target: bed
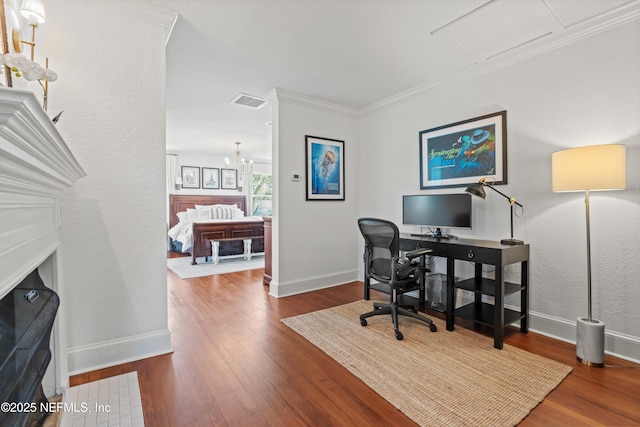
(192,232)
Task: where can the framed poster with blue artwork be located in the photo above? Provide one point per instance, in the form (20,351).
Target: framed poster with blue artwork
(461,153)
(324,168)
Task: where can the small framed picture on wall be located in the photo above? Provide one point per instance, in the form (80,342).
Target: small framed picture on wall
(211,178)
(229,178)
(190,177)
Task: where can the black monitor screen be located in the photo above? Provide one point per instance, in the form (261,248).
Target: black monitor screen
(437,210)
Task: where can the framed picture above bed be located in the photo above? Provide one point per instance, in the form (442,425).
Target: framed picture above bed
(229,179)
(190,177)
(211,178)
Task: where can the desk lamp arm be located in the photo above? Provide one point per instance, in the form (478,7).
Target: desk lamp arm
(512,201)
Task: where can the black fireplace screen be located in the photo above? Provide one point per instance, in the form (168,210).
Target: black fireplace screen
(26,318)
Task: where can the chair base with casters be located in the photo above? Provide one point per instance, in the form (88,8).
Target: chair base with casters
(382,264)
(396,310)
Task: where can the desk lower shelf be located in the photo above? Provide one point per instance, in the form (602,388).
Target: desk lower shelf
(487,286)
(485,314)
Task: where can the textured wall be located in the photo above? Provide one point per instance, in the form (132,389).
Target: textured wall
(314,240)
(582,94)
(111,88)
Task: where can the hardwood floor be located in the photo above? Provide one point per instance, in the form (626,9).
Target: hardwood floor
(235,364)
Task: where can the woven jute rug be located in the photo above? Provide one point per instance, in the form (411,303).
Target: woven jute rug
(435,378)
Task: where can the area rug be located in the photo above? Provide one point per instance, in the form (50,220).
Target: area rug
(183,268)
(444,378)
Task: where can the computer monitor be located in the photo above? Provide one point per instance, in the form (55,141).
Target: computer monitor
(437,211)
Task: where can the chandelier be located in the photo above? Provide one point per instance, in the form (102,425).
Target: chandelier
(244,167)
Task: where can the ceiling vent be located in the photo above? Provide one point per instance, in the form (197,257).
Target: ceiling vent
(249,101)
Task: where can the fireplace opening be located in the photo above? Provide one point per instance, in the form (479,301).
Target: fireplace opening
(27,314)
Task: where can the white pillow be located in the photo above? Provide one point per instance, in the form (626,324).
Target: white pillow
(216,213)
(182,216)
(204,212)
(222,211)
(192,214)
(219,211)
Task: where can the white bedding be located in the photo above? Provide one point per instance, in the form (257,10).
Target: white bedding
(183,231)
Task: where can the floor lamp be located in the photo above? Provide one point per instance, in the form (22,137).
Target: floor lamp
(591,168)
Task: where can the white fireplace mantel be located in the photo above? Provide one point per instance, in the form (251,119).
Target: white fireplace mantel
(35,166)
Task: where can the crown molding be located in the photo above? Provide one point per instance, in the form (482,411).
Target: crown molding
(582,30)
(309,102)
(162,18)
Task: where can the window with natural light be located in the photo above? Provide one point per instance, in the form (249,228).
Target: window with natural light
(262,194)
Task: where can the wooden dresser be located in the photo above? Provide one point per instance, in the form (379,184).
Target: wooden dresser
(267,250)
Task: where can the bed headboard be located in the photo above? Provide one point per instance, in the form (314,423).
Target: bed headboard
(180,203)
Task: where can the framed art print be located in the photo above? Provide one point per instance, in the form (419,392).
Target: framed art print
(229,178)
(211,178)
(190,176)
(324,168)
(461,153)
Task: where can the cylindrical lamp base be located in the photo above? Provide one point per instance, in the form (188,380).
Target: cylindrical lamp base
(590,342)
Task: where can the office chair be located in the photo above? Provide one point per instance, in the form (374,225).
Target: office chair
(382,263)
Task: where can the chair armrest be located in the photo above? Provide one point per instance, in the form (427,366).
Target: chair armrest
(418,252)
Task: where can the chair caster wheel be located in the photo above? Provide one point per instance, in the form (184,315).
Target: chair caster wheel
(432,327)
(363,322)
(399,336)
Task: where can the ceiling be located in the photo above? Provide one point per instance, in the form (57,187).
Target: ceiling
(358,54)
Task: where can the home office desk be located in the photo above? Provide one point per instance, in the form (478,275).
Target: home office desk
(478,252)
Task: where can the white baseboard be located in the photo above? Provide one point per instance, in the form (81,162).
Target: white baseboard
(115,352)
(616,344)
(285,289)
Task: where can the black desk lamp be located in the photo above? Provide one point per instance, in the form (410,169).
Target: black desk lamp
(478,190)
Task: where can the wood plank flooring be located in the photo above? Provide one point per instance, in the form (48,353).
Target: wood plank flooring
(235,364)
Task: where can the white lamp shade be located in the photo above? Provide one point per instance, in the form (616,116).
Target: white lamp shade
(33,10)
(12,19)
(593,168)
(266,204)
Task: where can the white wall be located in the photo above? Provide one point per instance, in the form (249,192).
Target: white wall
(582,94)
(111,88)
(314,240)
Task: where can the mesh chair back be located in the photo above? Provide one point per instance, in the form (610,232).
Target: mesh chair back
(383,243)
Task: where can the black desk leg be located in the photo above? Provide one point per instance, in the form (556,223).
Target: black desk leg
(498,321)
(477,295)
(524,297)
(422,293)
(451,297)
